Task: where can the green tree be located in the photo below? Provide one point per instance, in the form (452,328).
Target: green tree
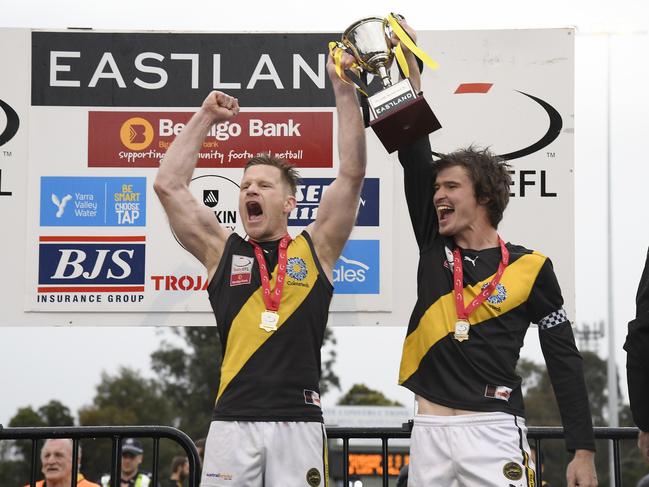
(15,456)
(55,413)
(361,395)
(329,379)
(189,376)
(124,399)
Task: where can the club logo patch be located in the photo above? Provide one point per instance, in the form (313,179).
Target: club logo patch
(498,392)
(241,270)
(311,397)
(296,268)
(313,477)
(499,295)
(513,471)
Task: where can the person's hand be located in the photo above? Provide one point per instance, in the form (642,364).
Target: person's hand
(220,107)
(409,30)
(581,470)
(643,444)
(346,62)
(415,77)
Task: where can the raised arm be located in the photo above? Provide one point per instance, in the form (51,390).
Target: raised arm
(417,162)
(193,223)
(339,205)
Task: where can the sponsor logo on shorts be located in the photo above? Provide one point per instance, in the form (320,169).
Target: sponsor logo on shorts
(513,471)
(222,476)
(313,477)
(498,392)
(241,270)
(311,397)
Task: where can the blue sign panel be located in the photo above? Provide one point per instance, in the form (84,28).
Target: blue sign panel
(91,261)
(93,201)
(309,193)
(357,271)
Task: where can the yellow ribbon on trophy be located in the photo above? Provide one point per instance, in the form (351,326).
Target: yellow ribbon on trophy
(404,38)
(336,49)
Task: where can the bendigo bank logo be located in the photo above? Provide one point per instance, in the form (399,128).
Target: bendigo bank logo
(91,264)
(136,133)
(12,123)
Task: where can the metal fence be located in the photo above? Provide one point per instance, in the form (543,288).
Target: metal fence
(535,435)
(117,434)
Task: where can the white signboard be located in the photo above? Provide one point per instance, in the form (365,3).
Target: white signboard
(88,242)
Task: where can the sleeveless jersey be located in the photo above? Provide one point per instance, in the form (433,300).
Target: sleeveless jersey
(270,376)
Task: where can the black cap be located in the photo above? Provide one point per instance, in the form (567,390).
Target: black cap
(131,445)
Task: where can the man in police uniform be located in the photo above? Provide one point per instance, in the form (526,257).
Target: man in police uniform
(270,295)
(131,475)
(476,296)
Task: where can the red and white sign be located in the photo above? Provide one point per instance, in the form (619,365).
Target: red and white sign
(140,139)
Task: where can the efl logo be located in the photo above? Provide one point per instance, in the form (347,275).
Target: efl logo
(73,264)
(357,271)
(93,201)
(309,194)
(11,125)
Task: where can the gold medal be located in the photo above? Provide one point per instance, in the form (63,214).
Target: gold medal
(269,320)
(461,330)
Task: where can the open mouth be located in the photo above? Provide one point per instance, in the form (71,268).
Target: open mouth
(443,212)
(254,210)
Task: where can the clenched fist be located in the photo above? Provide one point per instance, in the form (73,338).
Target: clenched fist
(220,106)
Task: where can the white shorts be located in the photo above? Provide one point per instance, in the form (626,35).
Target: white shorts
(265,454)
(470,450)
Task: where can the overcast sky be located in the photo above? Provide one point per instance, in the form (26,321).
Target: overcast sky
(39,364)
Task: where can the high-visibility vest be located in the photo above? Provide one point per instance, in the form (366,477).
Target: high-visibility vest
(141,480)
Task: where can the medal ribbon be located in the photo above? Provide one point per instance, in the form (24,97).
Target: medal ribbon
(272,298)
(463,312)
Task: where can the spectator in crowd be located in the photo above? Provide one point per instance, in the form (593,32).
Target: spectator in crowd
(637,365)
(56,460)
(179,472)
(131,475)
(200,446)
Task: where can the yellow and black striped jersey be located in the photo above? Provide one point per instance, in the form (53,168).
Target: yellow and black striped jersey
(479,374)
(270,376)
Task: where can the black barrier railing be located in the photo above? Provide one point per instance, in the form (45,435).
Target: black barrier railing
(117,434)
(535,435)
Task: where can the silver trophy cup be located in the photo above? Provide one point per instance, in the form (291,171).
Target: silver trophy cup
(398,114)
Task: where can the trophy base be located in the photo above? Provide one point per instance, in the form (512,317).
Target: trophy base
(406,123)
